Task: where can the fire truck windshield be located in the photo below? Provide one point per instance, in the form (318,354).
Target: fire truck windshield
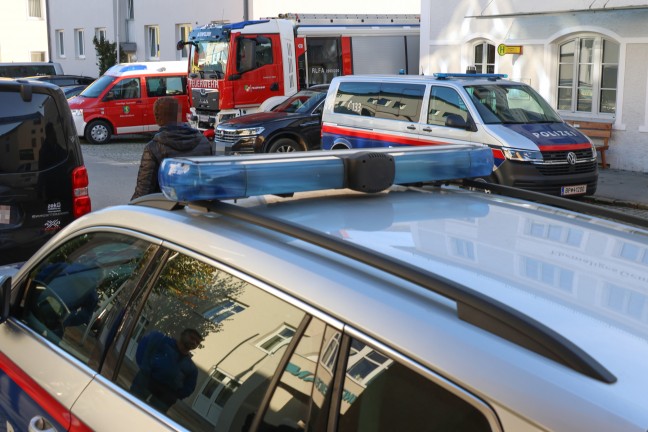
(209,58)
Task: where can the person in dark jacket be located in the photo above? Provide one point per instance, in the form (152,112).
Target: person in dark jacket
(174,139)
(166,372)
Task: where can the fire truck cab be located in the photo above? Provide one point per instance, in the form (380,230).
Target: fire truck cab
(251,66)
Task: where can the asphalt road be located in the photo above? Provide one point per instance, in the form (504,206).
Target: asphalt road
(112,169)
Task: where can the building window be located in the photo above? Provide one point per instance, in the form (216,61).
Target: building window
(278,339)
(37,56)
(101,33)
(60,45)
(153,42)
(79,42)
(484,57)
(35,9)
(224,310)
(183,34)
(130,10)
(587,75)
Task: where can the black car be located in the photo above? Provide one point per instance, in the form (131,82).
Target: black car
(64,80)
(294,125)
(43,182)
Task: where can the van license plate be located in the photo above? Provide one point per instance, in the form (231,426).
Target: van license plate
(573,190)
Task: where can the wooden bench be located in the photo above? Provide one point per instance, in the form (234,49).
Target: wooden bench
(600,130)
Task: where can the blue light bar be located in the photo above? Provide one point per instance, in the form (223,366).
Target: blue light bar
(231,177)
(469,75)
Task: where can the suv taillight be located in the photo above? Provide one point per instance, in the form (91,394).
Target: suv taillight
(80,198)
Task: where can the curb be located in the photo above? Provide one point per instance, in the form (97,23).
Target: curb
(617,202)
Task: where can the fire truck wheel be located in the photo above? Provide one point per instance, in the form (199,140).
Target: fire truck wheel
(284,145)
(98,132)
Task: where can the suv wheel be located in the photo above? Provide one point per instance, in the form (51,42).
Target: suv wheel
(284,145)
(98,132)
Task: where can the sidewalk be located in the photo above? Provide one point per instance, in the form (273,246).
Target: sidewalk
(618,187)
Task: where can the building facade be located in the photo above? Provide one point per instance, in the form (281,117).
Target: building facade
(23,33)
(589,59)
(148,30)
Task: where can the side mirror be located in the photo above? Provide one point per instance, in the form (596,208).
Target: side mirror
(456,121)
(180,45)
(109,96)
(5,297)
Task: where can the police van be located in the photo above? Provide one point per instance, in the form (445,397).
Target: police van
(121,100)
(533,148)
(342,291)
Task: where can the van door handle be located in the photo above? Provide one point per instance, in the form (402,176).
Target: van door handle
(427,129)
(411,127)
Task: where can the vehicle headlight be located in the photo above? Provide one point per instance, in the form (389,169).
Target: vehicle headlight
(77,112)
(522,155)
(250,131)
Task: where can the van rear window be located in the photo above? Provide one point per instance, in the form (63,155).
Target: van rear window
(393,101)
(22,70)
(31,134)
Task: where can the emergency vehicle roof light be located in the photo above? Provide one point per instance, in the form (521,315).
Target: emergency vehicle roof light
(231,177)
(470,75)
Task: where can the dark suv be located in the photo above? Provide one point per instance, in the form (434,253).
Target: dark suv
(294,125)
(43,182)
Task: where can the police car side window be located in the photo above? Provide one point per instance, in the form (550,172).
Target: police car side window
(445,101)
(205,345)
(380,394)
(357,98)
(400,101)
(301,400)
(76,296)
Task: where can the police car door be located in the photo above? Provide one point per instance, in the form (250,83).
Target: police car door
(447,119)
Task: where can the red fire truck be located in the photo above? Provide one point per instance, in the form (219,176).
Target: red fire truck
(250,66)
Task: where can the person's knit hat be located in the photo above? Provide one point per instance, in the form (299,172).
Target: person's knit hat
(165,110)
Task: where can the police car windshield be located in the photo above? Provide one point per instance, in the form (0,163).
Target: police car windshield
(302,102)
(511,104)
(95,89)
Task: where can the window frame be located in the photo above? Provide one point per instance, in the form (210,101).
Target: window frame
(183,31)
(578,64)
(79,43)
(484,66)
(60,43)
(101,32)
(35,9)
(152,42)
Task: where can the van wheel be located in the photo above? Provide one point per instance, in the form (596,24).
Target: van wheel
(284,145)
(98,132)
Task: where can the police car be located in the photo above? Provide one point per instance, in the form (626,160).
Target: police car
(339,291)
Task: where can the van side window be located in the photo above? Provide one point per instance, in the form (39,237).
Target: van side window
(445,101)
(128,88)
(357,98)
(400,101)
(77,295)
(165,86)
(380,394)
(205,345)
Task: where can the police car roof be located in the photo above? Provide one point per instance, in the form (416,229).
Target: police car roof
(464,79)
(582,277)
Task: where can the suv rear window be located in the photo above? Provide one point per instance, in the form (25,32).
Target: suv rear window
(31,133)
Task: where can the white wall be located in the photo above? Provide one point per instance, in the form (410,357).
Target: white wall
(21,35)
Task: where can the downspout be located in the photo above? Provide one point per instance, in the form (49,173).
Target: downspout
(245,10)
(49,36)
